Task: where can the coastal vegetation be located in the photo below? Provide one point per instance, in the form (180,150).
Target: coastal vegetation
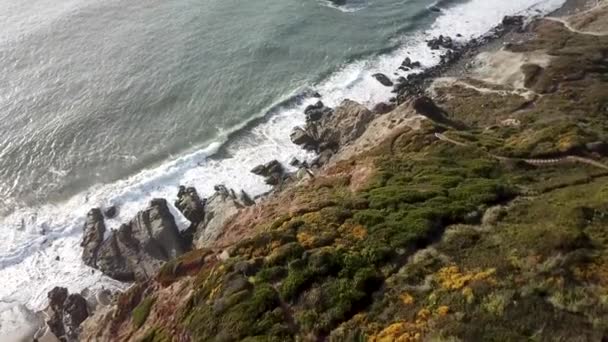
(494,230)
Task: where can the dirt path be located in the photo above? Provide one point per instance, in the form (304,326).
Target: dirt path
(535,162)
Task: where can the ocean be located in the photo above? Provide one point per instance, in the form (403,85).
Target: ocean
(117,102)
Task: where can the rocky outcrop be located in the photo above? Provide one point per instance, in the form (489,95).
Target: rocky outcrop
(190,204)
(137,249)
(220,207)
(66,312)
(273,172)
(441,42)
(94,230)
(346,123)
(316,111)
(407,64)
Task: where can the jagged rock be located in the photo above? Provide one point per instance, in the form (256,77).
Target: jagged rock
(190,204)
(57,297)
(94,230)
(137,249)
(75,311)
(407,63)
(301,137)
(110,212)
(273,172)
(383,79)
(66,313)
(316,111)
(441,42)
(220,207)
(513,21)
(338,2)
(246,199)
(295,162)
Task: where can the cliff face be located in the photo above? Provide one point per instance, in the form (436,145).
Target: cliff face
(477,214)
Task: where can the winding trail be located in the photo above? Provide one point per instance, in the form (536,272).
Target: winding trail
(572,29)
(536,162)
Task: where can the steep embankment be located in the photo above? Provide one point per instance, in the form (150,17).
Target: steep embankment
(466,226)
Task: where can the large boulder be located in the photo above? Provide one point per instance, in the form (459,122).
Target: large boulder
(137,249)
(190,204)
(304,137)
(316,111)
(345,124)
(220,207)
(273,172)
(66,312)
(383,79)
(441,42)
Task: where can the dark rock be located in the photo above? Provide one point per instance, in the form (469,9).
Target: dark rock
(110,212)
(435,9)
(407,63)
(514,21)
(137,249)
(75,311)
(383,79)
(273,172)
(93,236)
(246,199)
(190,204)
(259,170)
(383,108)
(295,162)
(316,111)
(313,107)
(316,94)
(66,313)
(57,297)
(338,2)
(441,42)
(301,137)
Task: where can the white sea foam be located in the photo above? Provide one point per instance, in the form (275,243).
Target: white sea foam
(34,237)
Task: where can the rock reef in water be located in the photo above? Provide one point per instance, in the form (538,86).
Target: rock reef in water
(137,249)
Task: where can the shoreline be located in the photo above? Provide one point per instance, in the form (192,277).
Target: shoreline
(448,69)
(446,185)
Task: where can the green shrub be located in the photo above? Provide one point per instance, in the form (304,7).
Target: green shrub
(141,312)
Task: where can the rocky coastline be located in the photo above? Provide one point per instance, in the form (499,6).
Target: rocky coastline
(388,233)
